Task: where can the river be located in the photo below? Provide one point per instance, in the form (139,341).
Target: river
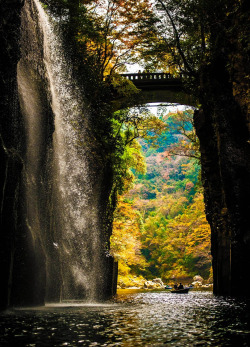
(133,318)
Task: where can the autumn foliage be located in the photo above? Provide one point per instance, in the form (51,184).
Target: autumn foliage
(160,229)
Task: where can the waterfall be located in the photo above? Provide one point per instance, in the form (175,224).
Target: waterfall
(62,204)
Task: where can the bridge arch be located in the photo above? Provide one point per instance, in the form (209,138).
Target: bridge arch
(156,88)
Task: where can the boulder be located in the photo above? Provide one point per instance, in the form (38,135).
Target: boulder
(196,284)
(149,285)
(155,283)
(159,281)
(198,278)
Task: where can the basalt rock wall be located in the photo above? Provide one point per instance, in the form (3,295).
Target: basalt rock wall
(222,125)
(23,258)
(11,141)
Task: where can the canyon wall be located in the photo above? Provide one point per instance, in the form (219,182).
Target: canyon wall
(222,125)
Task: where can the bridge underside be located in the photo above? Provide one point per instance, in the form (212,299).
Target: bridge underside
(155,90)
(166,96)
(163,95)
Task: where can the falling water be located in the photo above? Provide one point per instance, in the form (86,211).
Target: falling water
(73,247)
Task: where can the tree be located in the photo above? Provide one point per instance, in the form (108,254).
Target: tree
(113,37)
(175,238)
(181,125)
(178,246)
(181,32)
(125,239)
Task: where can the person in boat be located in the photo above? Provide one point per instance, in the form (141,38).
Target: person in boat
(175,286)
(180,286)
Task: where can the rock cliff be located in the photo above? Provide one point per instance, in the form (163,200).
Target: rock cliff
(223,128)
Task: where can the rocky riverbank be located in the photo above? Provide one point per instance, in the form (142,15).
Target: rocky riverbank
(141,283)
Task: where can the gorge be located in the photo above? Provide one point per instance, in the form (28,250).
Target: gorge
(55,189)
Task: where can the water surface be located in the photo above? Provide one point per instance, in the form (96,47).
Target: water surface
(134,318)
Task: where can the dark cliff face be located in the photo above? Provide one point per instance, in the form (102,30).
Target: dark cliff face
(22,255)
(11,140)
(223,129)
(31,256)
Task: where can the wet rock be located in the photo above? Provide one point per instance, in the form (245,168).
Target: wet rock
(197,281)
(159,281)
(154,284)
(196,284)
(198,278)
(149,285)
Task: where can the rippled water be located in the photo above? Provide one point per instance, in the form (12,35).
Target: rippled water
(133,319)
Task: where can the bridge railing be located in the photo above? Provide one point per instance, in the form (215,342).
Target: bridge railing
(136,77)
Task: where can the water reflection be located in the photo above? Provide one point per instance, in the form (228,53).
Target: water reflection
(133,319)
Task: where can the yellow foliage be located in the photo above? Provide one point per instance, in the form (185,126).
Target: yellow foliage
(125,240)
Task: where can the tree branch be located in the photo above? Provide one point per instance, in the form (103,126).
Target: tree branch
(177,39)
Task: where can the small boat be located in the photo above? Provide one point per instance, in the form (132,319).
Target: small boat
(181,291)
(168,287)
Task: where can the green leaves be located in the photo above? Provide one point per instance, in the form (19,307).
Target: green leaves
(175,237)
